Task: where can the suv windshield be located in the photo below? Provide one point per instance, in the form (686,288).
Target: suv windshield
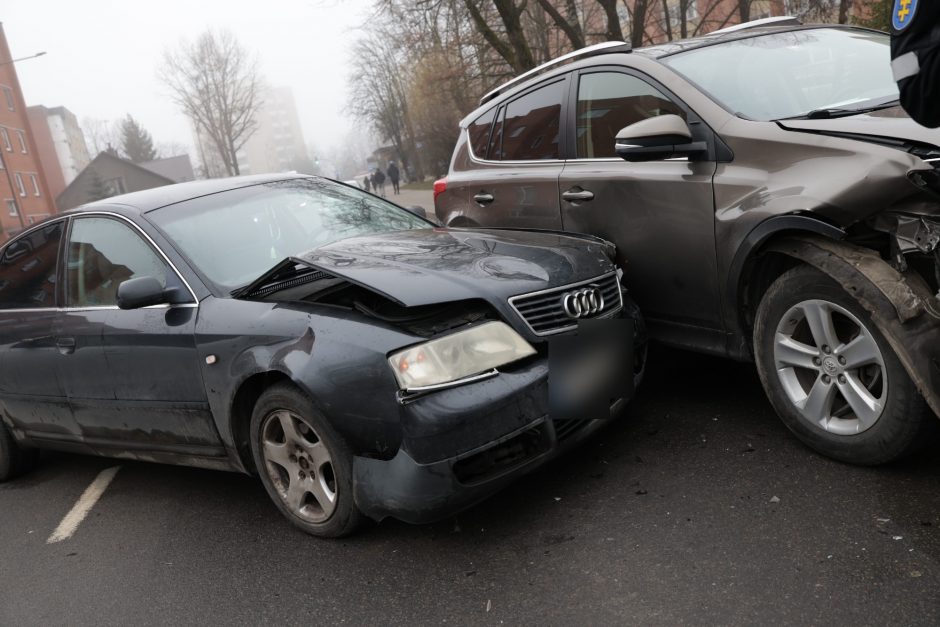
(234,237)
(792,73)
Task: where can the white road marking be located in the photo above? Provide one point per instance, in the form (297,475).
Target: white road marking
(84,504)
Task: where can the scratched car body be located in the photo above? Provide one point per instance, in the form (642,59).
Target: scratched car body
(775,203)
(360,360)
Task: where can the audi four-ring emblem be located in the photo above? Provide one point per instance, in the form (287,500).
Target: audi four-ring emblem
(584,302)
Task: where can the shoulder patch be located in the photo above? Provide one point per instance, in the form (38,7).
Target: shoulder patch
(903,13)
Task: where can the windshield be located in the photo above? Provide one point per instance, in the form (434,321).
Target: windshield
(790,74)
(234,237)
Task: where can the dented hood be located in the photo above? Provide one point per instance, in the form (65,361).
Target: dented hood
(890,123)
(428,266)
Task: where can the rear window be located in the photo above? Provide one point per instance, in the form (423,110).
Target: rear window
(479,133)
(532,124)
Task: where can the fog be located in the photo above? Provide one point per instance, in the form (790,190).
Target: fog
(102,56)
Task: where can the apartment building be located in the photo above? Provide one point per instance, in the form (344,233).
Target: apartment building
(60,144)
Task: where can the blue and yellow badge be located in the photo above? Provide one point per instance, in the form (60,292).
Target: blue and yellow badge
(904,11)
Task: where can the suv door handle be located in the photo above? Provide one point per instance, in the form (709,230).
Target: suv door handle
(483,198)
(66,345)
(576,194)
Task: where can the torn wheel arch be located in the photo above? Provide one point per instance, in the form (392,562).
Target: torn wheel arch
(901,305)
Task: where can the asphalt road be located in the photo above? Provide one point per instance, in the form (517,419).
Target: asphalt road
(696,508)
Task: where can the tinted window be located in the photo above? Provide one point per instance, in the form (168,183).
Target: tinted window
(479,133)
(234,237)
(103,253)
(532,124)
(28,269)
(610,101)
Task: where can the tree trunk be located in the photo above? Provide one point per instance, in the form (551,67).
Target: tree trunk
(614,31)
(571,31)
(684,18)
(844,6)
(668,20)
(638,24)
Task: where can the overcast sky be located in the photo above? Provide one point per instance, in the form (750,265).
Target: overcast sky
(102,55)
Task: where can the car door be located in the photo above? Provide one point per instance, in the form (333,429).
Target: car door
(31,396)
(515,184)
(660,214)
(134,378)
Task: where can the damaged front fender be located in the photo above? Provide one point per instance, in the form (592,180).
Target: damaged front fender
(900,304)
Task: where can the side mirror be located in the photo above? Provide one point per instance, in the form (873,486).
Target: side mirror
(657,138)
(143,292)
(418,211)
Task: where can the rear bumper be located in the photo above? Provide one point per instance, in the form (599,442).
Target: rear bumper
(418,493)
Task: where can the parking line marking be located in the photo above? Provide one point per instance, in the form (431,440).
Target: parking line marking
(84,504)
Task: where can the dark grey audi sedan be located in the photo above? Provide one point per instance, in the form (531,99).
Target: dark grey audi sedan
(360,360)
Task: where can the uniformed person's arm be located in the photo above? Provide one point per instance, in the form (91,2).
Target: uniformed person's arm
(915,58)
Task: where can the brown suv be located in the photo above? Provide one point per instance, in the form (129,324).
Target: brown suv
(769,200)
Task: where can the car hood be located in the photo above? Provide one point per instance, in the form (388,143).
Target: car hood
(891,123)
(428,266)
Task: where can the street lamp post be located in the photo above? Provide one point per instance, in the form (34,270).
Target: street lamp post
(32,56)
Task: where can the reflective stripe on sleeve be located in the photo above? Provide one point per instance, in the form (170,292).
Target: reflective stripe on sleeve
(905,66)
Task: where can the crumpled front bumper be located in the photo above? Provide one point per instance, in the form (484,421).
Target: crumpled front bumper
(417,493)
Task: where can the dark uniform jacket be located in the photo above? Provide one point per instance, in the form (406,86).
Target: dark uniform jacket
(915,58)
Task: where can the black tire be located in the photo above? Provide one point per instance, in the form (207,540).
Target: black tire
(285,403)
(904,416)
(14,459)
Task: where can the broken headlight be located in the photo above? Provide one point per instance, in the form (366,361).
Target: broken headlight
(458,356)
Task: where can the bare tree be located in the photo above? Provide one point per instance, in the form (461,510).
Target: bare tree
(215,82)
(512,46)
(101,135)
(569,24)
(171,148)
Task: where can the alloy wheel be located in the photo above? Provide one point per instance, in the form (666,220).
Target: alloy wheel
(299,465)
(830,367)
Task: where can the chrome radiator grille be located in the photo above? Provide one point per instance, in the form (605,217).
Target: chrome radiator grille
(545,312)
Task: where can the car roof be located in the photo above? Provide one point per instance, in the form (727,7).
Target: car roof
(157,197)
(655,52)
(659,51)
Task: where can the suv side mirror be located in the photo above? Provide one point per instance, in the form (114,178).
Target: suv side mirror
(657,138)
(143,292)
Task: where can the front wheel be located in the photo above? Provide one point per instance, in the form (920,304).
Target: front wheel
(303,463)
(831,375)
(14,459)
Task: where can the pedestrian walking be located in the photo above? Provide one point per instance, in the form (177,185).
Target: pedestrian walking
(915,54)
(394,176)
(375,185)
(379,182)
(365,182)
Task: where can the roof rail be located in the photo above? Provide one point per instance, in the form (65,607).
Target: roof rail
(607,47)
(783,20)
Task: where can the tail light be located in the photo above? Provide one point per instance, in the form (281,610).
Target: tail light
(440,186)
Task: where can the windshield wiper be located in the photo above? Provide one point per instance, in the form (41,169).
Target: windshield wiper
(827,113)
(280,271)
(288,273)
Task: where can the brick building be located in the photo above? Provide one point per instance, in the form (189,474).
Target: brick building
(24,194)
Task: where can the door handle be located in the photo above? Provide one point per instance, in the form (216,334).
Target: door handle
(576,194)
(66,345)
(483,198)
